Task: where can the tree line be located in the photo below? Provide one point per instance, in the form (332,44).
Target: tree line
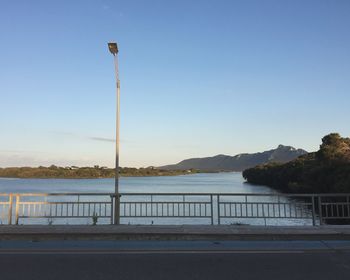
(324,171)
(74,172)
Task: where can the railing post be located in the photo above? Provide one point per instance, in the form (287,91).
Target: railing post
(211,209)
(78,211)
(17,208)
(263,212)
(184,206)
(320,210)
(10,209)
(117,209)
(152,206)
(112,209)
(279,206)
(218,208)
(313,211)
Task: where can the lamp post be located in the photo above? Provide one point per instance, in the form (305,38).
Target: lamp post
(113,48)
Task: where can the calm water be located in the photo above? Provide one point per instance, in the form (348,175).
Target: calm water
(211,182)
(231,182)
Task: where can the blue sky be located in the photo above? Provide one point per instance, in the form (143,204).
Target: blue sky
(198,78)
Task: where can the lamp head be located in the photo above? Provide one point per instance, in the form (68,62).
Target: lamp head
(113,48)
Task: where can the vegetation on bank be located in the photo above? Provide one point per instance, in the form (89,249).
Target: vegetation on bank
(324,171)
(74,172)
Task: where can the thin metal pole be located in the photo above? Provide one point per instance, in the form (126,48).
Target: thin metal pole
(10,209)
(112,199)
(218,208)
(320,210)
(17,208)
(116,185)
(313,211)
(211,209)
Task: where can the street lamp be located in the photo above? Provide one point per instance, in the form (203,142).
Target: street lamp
(113,48)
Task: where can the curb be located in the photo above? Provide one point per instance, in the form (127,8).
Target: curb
(172,233)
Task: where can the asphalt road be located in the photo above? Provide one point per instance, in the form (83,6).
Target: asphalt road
(175,260)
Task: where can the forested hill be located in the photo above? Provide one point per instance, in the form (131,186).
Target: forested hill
(239,162)
(327,170)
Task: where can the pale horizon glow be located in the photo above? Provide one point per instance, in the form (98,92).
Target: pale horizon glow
(198,79)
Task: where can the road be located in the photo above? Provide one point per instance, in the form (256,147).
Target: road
(174,260)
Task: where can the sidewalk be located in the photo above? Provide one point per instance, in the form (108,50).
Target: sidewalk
(185,232)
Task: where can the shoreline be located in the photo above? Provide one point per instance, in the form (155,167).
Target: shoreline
(96,172)
(121,176)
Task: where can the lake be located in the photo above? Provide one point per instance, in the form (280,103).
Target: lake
(229,182)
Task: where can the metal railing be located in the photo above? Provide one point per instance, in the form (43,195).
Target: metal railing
(210,208)
(267,206)
(167,205)
(6,203)
(63,205)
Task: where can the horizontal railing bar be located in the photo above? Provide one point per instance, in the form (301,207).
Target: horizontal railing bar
(237,194)
(266,217)
(108,202)
(335,203)
(335,218)
(61,217)
(62,202)
(165,202)
(187,194)
(271,203)
(63,194)
(197,217)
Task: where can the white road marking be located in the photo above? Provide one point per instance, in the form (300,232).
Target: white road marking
(142,252)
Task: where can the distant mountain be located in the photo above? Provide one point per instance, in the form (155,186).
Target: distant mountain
(239,162)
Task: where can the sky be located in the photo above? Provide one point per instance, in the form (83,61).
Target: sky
(198,78)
